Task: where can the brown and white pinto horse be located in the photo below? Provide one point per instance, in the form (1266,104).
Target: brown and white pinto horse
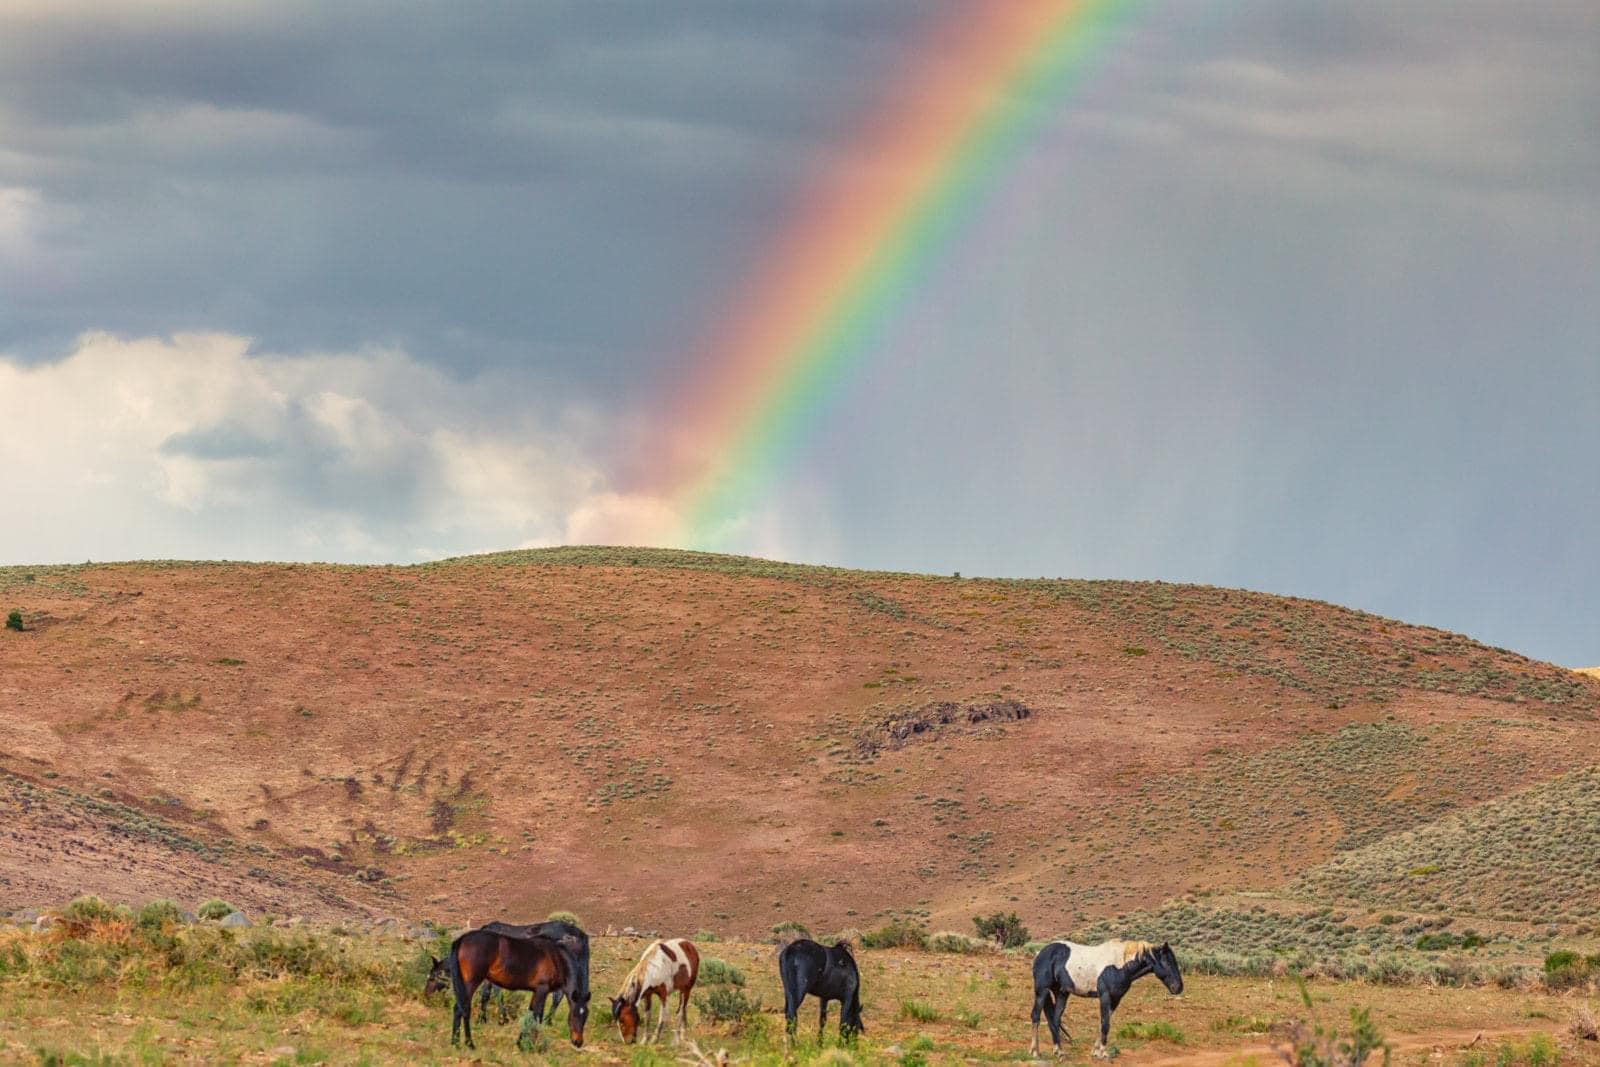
(665,966)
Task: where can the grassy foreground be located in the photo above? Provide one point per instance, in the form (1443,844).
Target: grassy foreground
(124,988)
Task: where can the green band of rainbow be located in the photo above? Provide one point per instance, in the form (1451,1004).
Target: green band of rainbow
(986,120)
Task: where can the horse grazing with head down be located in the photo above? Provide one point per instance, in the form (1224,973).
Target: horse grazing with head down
(665,966)
(536,964)
(1105,971)
(827,974)
(570,937)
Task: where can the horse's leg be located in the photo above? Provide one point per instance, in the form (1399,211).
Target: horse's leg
(791,1012)
(466,1010)
(661,1016)
(1041,1006)
(483,1003)
(683,1012)
(1057,1029)
(1107,1005)
(555,1002)
(822,1018)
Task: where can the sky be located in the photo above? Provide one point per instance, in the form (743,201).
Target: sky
(1302,298)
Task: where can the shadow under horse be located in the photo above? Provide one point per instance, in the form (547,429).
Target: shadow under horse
(827,973)
(537,965)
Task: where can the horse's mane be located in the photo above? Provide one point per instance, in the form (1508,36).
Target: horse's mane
(634,983)
(1132,950)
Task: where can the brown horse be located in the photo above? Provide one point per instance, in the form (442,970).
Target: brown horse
(665,967)
(536,964)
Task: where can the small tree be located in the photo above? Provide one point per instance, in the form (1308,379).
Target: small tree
(1006,930)
(1313,1044)
(14,620)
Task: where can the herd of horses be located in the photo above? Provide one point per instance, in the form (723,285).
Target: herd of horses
(550,960)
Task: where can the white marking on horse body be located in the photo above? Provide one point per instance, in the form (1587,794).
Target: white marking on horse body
(657,969)
(1086,962)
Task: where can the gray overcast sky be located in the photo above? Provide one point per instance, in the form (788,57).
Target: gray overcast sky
(1298,297)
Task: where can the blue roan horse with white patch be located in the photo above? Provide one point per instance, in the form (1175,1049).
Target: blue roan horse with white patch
(1064,969)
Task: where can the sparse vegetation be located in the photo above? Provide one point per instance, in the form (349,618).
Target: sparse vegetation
(719,972)
(1311,1043)
(353,998)
(215,909)
(897,933)
(1004,930)
(14,620)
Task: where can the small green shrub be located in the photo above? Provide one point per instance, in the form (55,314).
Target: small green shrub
(1156,1031)
(1313,1044)
(87,909)
(897,933)
(158,916)
(559,916)
(728,1004)
(14,620)
(215,908)
(948,941)
(719,972)
(1566,969)
(918,1010)
(1005,930)
(1242,1024)
(789,931)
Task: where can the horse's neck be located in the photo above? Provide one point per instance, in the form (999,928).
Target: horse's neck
(1138,967)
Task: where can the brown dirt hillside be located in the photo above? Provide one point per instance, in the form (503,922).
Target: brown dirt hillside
(684,740)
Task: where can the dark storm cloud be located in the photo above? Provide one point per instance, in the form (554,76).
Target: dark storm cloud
(482,184)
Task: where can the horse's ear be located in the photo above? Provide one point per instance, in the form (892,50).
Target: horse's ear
(1166,947)
(434,961)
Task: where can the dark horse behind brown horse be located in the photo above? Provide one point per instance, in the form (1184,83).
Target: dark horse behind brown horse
(536,964)
(570,937)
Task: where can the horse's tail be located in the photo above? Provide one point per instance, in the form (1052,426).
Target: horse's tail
(458,984)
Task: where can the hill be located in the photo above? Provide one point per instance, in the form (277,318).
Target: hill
(687,740)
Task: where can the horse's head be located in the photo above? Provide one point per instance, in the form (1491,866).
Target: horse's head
(577,1016)
(438,978)
(850,1023)
(626,1014)
(1164,964)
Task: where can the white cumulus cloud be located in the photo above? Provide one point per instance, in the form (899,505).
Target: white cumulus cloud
(197,446)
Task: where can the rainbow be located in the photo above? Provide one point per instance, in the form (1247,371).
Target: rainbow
(983,86)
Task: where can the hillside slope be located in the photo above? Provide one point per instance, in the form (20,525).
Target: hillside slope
(661,738)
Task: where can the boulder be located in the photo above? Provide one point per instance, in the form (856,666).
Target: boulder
(236,920)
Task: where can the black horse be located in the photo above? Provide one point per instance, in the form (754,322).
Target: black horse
(536,964)
(827,974)
(1106,971)
(564,933)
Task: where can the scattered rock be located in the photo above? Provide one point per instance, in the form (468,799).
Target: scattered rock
(43,923)
(283,1052)
(628,931)
(294,920)
(236,920)
(936,719)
